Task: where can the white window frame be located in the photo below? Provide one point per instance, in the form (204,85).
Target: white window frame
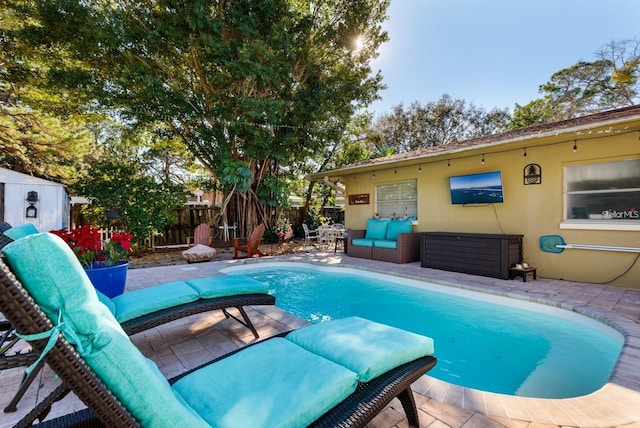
(405,206)
(601,223)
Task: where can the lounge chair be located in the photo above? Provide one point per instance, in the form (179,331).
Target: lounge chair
(339,373)
(250,245)
(147,308)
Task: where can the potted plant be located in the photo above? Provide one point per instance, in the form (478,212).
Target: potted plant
(106,262)
(284,229)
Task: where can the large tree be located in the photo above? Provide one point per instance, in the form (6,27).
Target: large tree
(248,85)
(611,81)
(32,141)
(437,123)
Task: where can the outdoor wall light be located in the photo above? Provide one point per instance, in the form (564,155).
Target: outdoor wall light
(525,152)
(32,198)
(373,175)
(575,146)
(483,159)
(32,212)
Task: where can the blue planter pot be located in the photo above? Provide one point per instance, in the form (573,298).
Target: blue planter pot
(110,280)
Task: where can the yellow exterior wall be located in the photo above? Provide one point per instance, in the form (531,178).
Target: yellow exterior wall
(529,210)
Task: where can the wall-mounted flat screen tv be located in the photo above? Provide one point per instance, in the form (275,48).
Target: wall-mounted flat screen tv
(483,188)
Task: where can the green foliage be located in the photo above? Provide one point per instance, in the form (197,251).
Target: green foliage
(610,81)
(236,174)
(144,205)
(253,81)
(38,144)
(437,123)
(537,112)
(273,192)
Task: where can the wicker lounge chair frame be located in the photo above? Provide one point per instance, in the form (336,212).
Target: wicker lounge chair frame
(133,326)
(104,409)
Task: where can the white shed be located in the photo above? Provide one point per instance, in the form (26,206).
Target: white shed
(27,199)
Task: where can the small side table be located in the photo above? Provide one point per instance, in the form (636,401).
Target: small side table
(514,272)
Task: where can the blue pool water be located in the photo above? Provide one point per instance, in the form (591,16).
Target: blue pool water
(482,341)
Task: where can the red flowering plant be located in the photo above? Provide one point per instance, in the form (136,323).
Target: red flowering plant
(92,251)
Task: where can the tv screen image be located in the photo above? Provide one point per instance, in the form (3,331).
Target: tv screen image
(483,188)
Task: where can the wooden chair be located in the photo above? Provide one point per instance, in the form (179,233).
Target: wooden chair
(201,235)
(249,245)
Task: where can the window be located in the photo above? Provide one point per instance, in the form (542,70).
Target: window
(603,192)
(398,199)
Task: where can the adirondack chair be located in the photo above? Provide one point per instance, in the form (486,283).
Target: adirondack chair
(201,235)
(249,245)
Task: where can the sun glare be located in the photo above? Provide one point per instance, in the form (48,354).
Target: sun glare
(359,43)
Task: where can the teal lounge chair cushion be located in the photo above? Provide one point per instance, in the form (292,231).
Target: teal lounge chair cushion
(362,242)
(218,286)
(107,302)
(366,347)
(398,226)
(138,383)
(141,302)
(21,231)
(392,245)
(274,384)
(53,276)
(376,229)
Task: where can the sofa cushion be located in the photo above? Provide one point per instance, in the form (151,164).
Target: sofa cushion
(376,229)
(147,300)
(398,226)
(273,384)
(383,243)
(53,276)
(362,242)
(227,285)
(366,347)
(21,231)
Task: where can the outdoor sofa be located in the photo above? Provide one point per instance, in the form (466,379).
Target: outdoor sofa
(143,309)
(339,373)
(385,240)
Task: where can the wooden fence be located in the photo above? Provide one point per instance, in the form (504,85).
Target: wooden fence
(175,235)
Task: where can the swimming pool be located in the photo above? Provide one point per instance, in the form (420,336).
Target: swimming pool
(482,341)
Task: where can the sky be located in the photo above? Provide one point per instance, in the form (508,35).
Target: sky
(492,53)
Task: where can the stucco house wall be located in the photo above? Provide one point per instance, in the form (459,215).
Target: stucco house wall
(532,210)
